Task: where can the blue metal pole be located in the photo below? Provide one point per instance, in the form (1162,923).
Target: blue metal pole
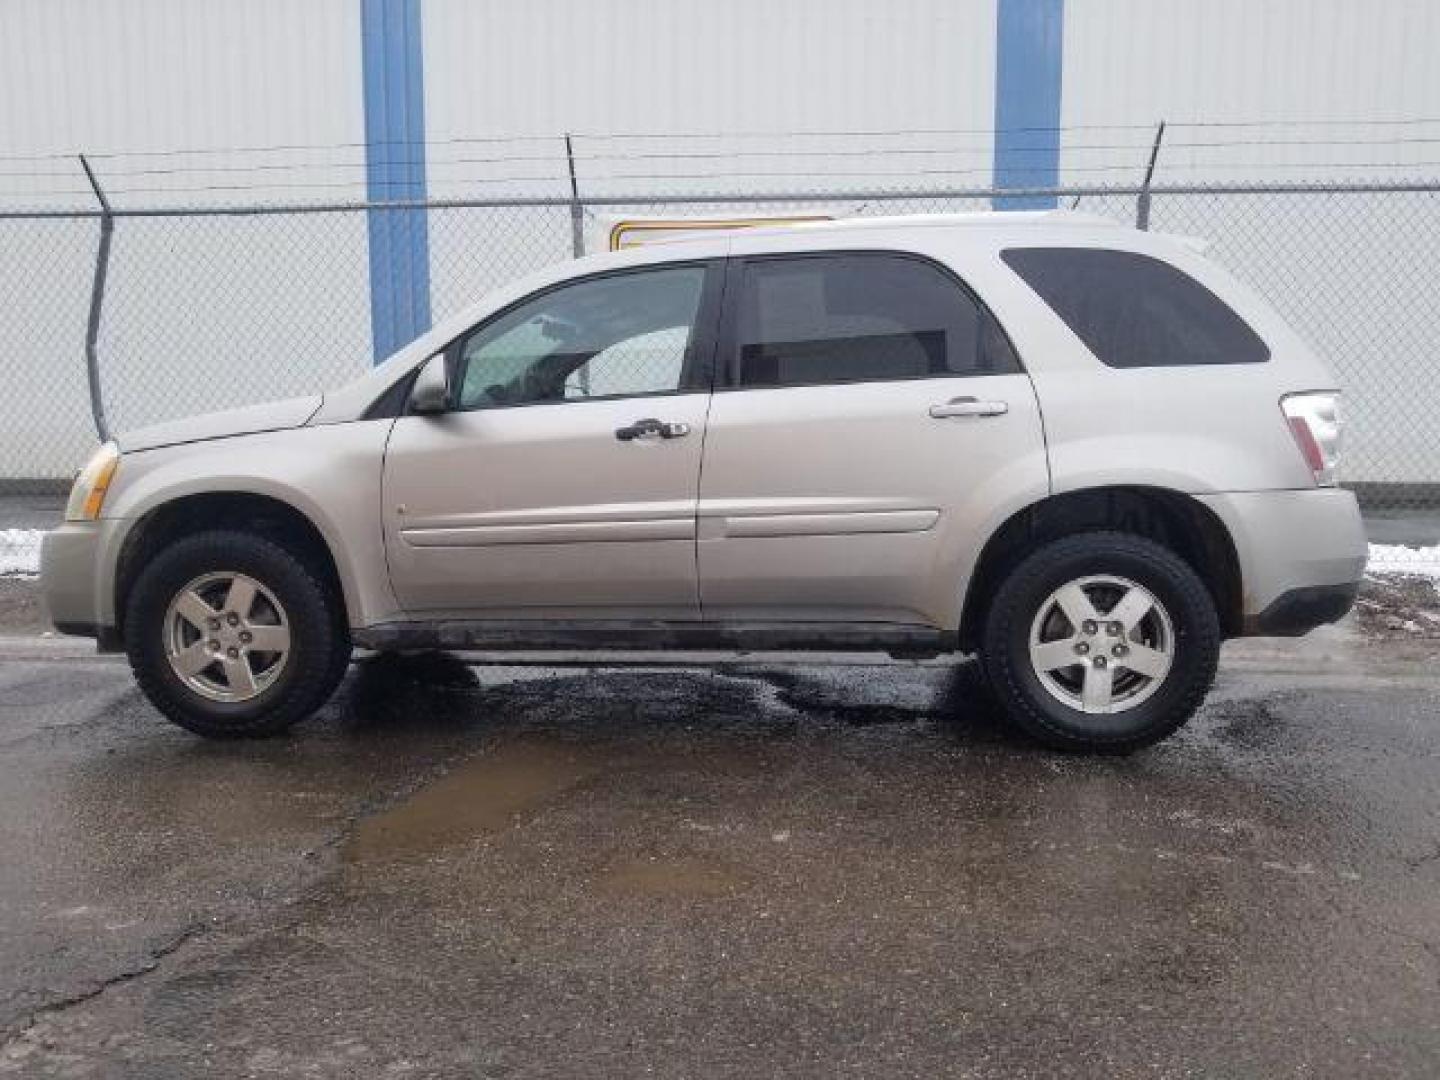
(394,99)
(1029,49)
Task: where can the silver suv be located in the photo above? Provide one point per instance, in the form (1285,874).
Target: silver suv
(1083,452)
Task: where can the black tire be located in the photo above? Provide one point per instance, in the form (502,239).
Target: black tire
(320,642)
(1005,642)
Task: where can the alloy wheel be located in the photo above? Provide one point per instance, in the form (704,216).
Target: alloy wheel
(227,637)
(1102,644)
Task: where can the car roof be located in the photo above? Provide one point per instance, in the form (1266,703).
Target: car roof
(1027,224)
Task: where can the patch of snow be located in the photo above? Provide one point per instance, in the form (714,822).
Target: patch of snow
(20,551)
(1401,559)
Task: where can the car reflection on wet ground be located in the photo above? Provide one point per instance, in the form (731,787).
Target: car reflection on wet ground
(752,869)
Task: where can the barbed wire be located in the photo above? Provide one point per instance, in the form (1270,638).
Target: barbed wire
(560,159)
(1148,126)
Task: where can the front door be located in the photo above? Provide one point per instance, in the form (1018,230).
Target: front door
(562,481)
(870,422)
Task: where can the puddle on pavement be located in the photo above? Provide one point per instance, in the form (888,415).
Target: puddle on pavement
(483,795)
(684,878)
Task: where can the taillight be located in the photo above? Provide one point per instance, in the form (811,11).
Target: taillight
(1314,419)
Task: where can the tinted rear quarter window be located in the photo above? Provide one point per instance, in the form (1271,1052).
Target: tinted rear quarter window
(1134,311)
(860,317)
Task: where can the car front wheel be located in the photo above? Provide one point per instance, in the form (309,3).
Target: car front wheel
(229,634)
(1101,641)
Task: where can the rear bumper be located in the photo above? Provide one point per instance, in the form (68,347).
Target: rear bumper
(1301,610)
(1301,553)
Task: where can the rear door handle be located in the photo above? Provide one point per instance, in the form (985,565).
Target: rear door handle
(651,428)
(968,406)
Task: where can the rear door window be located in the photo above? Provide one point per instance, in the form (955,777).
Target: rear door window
(1135,311)
(862,317)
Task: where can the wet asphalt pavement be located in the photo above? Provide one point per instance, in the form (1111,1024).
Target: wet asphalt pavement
(752,871)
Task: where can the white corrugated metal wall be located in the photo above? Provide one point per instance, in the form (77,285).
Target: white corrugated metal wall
(131,83)
(223,101)
(680,96)
(1225,64)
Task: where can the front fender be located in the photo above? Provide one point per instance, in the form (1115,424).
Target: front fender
(331,474)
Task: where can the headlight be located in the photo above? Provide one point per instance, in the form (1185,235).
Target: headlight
(87,496)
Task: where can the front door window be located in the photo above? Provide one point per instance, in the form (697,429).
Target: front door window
(624,335)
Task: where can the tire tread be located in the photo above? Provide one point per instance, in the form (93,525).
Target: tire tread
(323,658)
(999,665)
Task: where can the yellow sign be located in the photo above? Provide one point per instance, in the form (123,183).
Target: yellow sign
(634,232)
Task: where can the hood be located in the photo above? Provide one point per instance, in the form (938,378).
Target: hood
(269,416)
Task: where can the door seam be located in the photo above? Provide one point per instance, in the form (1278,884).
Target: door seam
(717,337)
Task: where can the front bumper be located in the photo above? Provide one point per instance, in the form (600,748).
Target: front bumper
(76,582)
(1302,555)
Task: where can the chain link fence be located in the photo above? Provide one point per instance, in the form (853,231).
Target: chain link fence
(209,308)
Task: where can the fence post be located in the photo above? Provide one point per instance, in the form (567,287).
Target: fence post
(577,211)
(577,238)
(97,304)
(1142,205)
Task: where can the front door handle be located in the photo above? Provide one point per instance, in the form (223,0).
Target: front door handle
(968,406)
(651,428)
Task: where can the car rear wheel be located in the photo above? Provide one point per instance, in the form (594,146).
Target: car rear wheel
(1101,641)
(229,634)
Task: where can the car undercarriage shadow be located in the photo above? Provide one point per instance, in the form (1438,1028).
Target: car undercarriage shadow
(393,692)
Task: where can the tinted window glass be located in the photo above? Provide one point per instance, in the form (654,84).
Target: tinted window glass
(1135,311)
(846,318)
(614,336)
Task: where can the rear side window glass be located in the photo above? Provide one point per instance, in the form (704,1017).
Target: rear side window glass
(862,317)
(1136,311)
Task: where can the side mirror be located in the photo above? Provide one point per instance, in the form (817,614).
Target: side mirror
(430,395)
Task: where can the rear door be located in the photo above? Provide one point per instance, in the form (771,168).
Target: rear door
(869,419)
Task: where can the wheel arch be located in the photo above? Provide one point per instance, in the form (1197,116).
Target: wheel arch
(1172,518)
(241,511)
